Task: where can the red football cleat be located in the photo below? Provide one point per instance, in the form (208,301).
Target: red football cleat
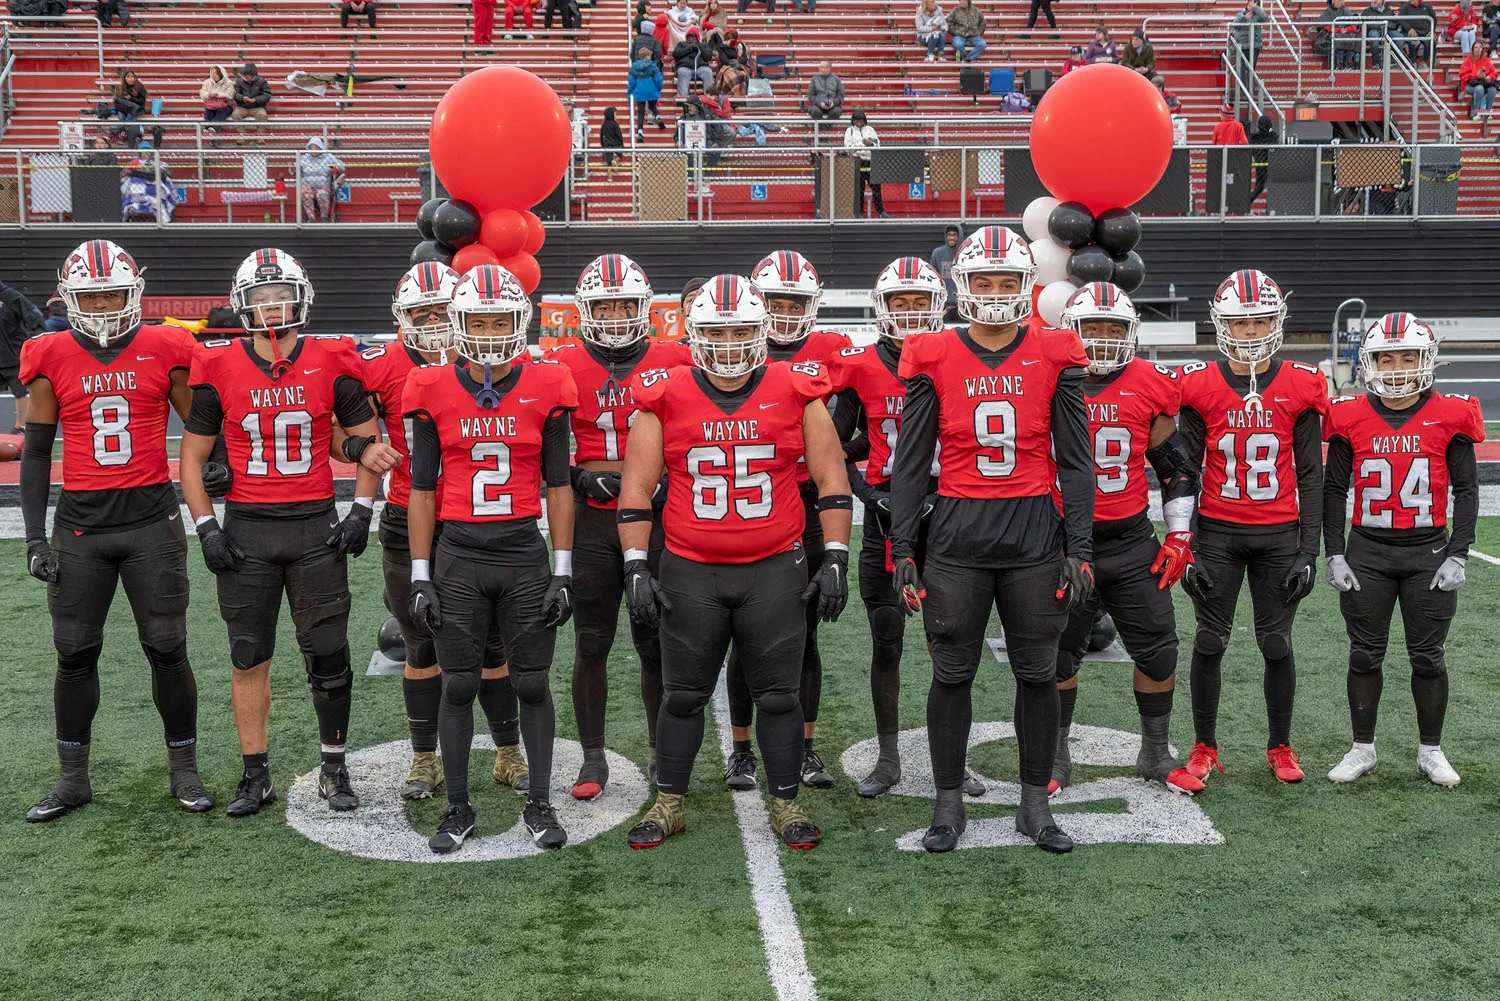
(1183,781)
(1053,787)
(1284,762)
(1202,761)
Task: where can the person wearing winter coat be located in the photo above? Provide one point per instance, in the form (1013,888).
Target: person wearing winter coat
(251,95)
(932,29)
(1173,103)
(610,136)
(734,62)
(217,94)
(320,172)
(147,193)
(1339,39)
(680,17)
(692,60)
(645,89)
(1101,49)
(861,138)
(129,96)
(1476,76)
(646,40)
(1229,131)
(1074,60)
(825,93)
(966,24)
(1417,21)
(663,32)
(1139,55)
(1463,25)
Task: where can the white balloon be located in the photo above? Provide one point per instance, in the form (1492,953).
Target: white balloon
(1051,260)
(1052,300)
(1034,219)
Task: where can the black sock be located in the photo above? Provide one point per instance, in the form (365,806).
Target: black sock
(810,689)
(332,709)
(497,697)
(1280,683)
(75,695)
(950,713)
(590,692)
(538,730)
(1037,718)
(1206,679)
(332,760)
(1150,704)
(1364,702)
(1431,694)
(455,734)
(174,690)
(885,683)
(1067,698)
(741,704)
(807,743)
(677,741)
(257,762)
(778,735)
(423,697)
(741,746)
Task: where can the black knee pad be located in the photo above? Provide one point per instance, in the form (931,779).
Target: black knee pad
(460,688)
(1035,671)
(949,671)
(77,666)
(1210,643)
(1364,662)
(174,661)
(422,653)
(592,644)
(1159,664)
(328,672)
(245,654)
(887,624)
(684,704)
(776,703)
(1274,646)
(1428,663)
(1067,665)
(531,686)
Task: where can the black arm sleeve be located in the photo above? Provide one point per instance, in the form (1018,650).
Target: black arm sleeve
(206,416)
(848,414)
(1174,471)
(220,452)
(1463,480)
(1307,444)
(1075,462)
(911,472)
(857,483)
(426,452)
(36,478)
(351,404)
(555,440)
(1192,432)
(1336,476)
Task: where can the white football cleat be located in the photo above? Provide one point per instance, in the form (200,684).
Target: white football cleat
(1432,763)
(1359,760)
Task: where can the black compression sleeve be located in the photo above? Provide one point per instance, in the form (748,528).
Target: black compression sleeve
(1075,462)
(848,414)
(1174,471)
(426,453)
(1307,444)
(857,445)
(351,405)
(857,483)
(912,469)
(555,439)
(1336,476)
(36,478)
(220,452)
(1463,480)
(206,416)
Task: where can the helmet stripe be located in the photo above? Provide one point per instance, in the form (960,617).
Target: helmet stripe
(1104,292)
(612,276)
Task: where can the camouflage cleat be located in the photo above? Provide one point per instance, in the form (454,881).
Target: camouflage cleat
(511,770)
(667,816)
(425,777)
(791,825)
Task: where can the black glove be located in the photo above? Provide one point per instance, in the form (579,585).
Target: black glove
(217,478)
(830,585)
(644,597)
(352,535)
(220,551)
(1076,582)
(597,484)
(41,561)
(906,581)
(1196,581)
(878,504)
(557,606)
(1298,582)
(423,605)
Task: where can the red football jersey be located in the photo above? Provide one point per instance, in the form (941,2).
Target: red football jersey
(732,494)
(821,346)
(882,395)
(384,372)
(491,459)
(1120,417)
(113,417)
(277,431)
(1400,475)
(1249,469)
(994,424)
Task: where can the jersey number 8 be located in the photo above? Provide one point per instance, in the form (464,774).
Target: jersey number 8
(1259,456)
(111,418)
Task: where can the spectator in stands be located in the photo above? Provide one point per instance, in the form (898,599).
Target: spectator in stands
(1101,49)
(734,63)
(356,8)
(645,90)
(565,10)
(610,136)
(1337,39)
(1016,102)
(57,315)
(1463,25)
(20,321)
(1229,131)
(744,5)
(321,174)
(217,94)
(1039,6)
(1261,139)
(680,18)
(1418,22)
(1378,18)
(1476,77)
(662,32)
(528,13)
(129,96)
(711,22)
(484,23)
(643,19)
(1174,104)
(942,260)
(1139,55)
(805,7)
(100,154)
(1245,35)
(692,61)
(107,10)
(825,93)
(251,95)
(1490,22)
(645,40)
(1074,60)
(932,28)
(147,193)
(966,24)
(861,138)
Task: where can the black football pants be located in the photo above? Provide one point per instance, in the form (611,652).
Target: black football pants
(887,620)
(1128,590)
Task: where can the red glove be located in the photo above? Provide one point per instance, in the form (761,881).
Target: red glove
(1172,558)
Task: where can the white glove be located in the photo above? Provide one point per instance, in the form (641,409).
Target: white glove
(1449,576)
(1340,576)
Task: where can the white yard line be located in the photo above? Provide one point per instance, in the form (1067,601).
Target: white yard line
(786,958)
(1484,556)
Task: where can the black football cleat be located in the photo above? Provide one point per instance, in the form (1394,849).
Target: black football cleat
(456,825)
(57,802)
(739,773)
(949,820)
(1034,820)
(188,790)
(334,786)
(972,785)
(592,776)
(254,791)
(541,821)
(881,780)
(813,772)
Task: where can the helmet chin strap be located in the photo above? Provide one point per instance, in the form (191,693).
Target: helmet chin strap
(280,366)
(487,398)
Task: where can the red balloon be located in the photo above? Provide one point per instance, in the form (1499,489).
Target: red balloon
(1101,135)
(527,271)
(500,139)
(536,233)
(504,232)
(470,257)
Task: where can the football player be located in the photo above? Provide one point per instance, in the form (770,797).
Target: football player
(499,432)
(1004,402)
(1132,406)
(275,395)
(1251,422)
(730,434)
(109,381)
(792,292)
(614,313)
(1406,448)
(420,306)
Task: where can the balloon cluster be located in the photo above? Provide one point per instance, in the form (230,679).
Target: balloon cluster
(454,233)
(1073,247)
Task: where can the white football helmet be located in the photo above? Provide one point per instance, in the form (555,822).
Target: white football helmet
(101,266)
(1103,301)
(426,285)
(613,276)
(489,288)
(271,268)
(1244,294)
(727,301)
(989,250)
(786,274)
(1398,332)
(909,274)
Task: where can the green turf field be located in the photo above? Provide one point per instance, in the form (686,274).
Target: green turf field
(1387,889)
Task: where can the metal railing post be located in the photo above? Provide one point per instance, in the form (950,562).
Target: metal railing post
(22,194)
(963,184)
(1416,180)
(156,179)
(296,187)
(1317,182)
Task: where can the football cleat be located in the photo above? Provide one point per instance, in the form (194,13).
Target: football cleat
(948,822)
(813,772)
(425,777)
(334,786)
(972,786)
(1158,765)
(1359,760)
(739,773)
(456,825)
(1284,763)
(667,817)
(511,769)
(789,822)
(254,791)
(1034,820)
(188,790)
(57,802)
(591,777)
(541,821)
(881,780)
(1062,764)
(1433,763)
(1203,760)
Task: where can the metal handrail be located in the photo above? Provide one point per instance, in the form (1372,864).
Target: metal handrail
(1447,118)
(1290,41)
(1232,73)
(65,19)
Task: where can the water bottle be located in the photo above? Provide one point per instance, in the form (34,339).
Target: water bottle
(1172,290)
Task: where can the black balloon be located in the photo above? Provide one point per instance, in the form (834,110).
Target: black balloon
(456,224)
(1071,224)
(424,216)
(390,641)
(431,250)
(1129,272)
(1118,231)
(1103,633)
(1090,264)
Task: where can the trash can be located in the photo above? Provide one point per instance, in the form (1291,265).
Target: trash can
(1437,181)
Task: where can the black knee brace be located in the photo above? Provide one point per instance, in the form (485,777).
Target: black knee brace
(887,624)
(328,672)
(679,703)
(776,703)
(531,686)
(1364,662)
(1159,664)
(1427,663)
(1034,670)
(1210,643)
(1274,646)
(422,653)
(460,688)
(592,645)
(1068,662)
(245,654)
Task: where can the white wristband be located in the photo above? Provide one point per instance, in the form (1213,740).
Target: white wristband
(200,522)
(420,570)
(562,562)
(368,502)
(635,554)
(1178,514)
(842,547)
